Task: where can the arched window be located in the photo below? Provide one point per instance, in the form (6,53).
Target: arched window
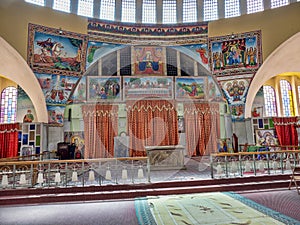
(128,11)
(278,3)
(107,9)
(232,8)
(86,8)
(169,11)
(8,105)
(210,9)
(149,11)
(270,101)
(287,98)
(254,6)
(62,5)
(36,2)
(189,11)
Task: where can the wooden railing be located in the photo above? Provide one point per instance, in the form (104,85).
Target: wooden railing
(253,163)
(82,172)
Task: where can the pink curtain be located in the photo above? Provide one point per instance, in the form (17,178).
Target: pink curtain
(202,128)
(100,128)
(9,140)
(286,130)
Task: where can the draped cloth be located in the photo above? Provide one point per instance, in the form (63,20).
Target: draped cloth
(100,128)
(202,127)
(9,140)
(286,130)
(151,123)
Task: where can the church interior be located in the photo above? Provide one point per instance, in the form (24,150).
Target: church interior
(157,109)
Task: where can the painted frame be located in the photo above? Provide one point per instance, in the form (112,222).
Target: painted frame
(149,60)
(235,53)
(193,88)
(104,88)
(55,51)
(266,137)
(150,87)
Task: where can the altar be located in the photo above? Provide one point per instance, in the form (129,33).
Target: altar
(168,157)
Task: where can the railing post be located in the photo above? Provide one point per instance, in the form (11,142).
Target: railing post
(14,176)
(82,170)
(241,166)
(268,163)
(254,163)
(226,166)
(148,170)
(211,166)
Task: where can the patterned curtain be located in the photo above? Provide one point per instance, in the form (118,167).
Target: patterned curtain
(286,130)
(9,140)
(151,123)
(202,128)
(100,128)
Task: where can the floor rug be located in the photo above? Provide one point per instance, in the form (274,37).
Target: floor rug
(206,208)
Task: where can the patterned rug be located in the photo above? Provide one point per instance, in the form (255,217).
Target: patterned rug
(206,208)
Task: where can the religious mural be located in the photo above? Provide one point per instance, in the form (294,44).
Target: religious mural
(55,51)
(149,61)
(55,115)
(235,53)
(56,88)
(79,94)
(104,88)
(147,87)
(190,88)
(235,91)
(95,50)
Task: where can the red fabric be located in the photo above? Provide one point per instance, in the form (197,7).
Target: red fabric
(9,140)
(286,130)
(150,123)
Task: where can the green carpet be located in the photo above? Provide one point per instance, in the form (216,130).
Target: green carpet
(205,208)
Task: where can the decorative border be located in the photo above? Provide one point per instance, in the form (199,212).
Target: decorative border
(45,61)
(263,209)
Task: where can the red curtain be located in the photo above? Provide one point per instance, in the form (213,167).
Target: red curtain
(9,140)
(100,128)
(286,130)
(151,123)
(202,128)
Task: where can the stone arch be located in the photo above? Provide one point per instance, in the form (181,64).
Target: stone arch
(282,60)
(15,68)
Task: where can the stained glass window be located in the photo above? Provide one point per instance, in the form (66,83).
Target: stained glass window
(232,8)
(128,11)
(85,8)
(254,6)
(210,9)
(62,5)
(36,2)
(8,105)
(149,11)
(287,98)
(278,3)
(107,9)
(189,11)
(270,101)
(169,11)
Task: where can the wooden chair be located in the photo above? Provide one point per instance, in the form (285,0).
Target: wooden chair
(295,177)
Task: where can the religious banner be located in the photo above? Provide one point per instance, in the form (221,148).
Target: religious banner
(55,51)
(235,53)
(149,61)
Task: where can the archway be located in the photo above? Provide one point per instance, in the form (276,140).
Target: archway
(15,68)
(284,59)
